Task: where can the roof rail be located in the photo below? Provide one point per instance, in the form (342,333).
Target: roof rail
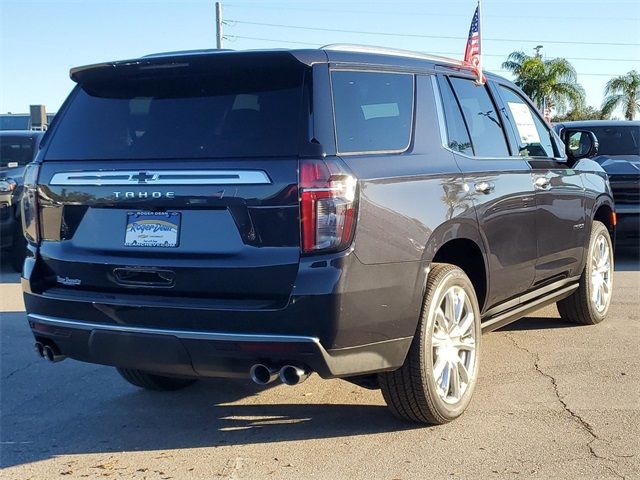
(347,47)
(186,52)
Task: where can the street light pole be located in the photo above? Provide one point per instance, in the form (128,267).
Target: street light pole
(545,110)
(537,49)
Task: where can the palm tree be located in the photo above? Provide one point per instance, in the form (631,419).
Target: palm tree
(623,91)
(549,83)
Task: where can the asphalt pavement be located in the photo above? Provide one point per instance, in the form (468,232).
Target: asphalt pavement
(553,401)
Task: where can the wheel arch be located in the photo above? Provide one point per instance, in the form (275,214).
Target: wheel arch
(460,244)
(603,211)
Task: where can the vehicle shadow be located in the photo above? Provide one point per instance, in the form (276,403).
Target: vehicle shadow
(537,323)
(203,415)
(7,273)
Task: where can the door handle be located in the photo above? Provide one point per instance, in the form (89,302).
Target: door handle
(484,187)
(542,183)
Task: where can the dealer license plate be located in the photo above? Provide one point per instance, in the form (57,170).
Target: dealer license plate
(152,229)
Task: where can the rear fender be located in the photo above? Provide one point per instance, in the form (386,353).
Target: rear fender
(456,229)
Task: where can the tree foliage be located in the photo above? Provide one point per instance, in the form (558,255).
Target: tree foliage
(584,113)
(623,92)
(548,82)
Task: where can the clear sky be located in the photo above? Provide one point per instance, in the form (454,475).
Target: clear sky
(41,39)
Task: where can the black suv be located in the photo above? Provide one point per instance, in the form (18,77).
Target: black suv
(17,148)
(356,212)
(619,156)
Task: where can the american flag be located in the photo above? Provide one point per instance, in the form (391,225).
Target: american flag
(473,52)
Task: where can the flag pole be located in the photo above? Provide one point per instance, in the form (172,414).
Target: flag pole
(481,74)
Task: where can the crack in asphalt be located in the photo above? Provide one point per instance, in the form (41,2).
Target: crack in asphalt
(586,426)
(17,370)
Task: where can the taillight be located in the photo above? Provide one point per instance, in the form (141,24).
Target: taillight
(328,205)
(29,204)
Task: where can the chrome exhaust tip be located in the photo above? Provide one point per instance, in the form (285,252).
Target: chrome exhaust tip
(51,354)
(292,375)
(39,349)
(263,374)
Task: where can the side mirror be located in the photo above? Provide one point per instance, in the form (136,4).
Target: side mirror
(580,144)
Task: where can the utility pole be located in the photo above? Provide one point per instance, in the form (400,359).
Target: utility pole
(218,25)
(546,112)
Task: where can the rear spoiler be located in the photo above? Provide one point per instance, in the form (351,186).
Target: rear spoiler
(198,59)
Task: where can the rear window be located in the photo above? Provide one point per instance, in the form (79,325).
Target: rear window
(617,140)
(373,111)
(180,113)
(16,151)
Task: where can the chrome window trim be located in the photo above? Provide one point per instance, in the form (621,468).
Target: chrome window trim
(155,177)
(444,135)
(186,334)
(370,70)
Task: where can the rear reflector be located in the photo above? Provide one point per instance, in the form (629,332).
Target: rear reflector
(327,205)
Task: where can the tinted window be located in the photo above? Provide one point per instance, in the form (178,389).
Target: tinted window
(457,134)
(373,110)
(482,119)
(617,140)
(14,122)
(534,138)
(164,114)
(16,150)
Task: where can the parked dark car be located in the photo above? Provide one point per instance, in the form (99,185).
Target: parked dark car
(17,148)
(356,212)
(619,156)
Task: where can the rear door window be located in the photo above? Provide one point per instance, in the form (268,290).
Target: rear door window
(232,112)
(532,135)
(373,111)
(482,119)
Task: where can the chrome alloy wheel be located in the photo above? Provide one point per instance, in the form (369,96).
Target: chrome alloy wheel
(601,274)
(453,341)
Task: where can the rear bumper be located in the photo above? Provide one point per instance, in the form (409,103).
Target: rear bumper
(337,325)
(209,354)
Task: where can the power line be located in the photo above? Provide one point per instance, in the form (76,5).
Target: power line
(498,55)
(417,35)
(425,14)
(231,37)
(579,73)
(276,40)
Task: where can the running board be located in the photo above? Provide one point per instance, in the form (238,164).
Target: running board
(500,320)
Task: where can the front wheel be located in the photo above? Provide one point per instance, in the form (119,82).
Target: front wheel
(439,375)
(589,304)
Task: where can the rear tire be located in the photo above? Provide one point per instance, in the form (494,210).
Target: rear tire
(18,250)
(151,381)
(438,377)
(589,304)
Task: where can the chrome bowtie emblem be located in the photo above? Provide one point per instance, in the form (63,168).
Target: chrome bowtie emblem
(142,177)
